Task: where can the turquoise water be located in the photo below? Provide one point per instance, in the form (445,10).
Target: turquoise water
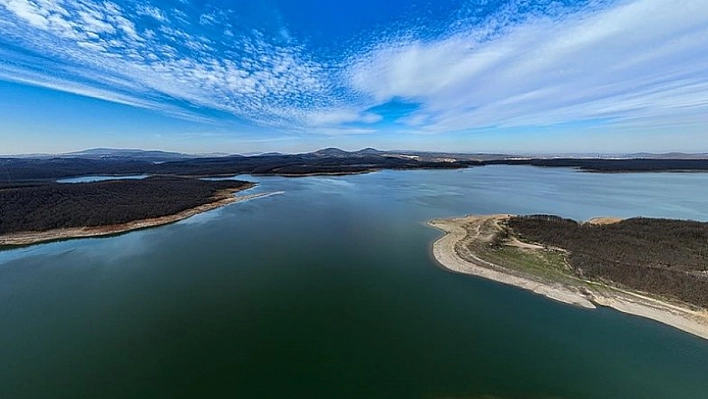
(329,291)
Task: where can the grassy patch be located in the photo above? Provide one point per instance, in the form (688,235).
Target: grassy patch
(545,264)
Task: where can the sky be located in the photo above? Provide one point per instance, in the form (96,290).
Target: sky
(514,76)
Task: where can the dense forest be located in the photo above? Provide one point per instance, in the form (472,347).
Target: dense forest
(23,169)
(50,206)
(26,169)
(666,257)
(331,161)
(31,200)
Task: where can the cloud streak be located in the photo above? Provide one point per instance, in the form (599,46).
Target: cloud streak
(628,63)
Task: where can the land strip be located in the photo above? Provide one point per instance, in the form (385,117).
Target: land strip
(220,198)
(483,247)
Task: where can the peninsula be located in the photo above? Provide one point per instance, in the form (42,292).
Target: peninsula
(46,212)
(328,161)
(653,268)
(34,207)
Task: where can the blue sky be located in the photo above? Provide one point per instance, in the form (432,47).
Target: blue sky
(283,75)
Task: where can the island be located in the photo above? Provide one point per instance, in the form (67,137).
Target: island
(653,268)
(33,213)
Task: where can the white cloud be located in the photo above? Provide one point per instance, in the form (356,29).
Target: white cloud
(207,19)
(629,62)
(29,12)
(99,42)
(340,131)
(93,22)
(153,12)
(339,116)
(638,62)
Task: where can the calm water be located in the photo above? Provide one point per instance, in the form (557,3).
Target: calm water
(329,291)
(89,179)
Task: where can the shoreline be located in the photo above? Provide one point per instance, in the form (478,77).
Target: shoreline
(220,199)
(446,251)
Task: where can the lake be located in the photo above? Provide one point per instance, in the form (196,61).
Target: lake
(95,178)
(330,291)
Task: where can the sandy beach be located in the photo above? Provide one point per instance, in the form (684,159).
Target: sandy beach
(222,198)
(451,251)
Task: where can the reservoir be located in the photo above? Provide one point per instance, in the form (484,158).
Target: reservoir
(329,291)
(89,179)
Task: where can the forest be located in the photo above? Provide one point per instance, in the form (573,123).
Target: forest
(51,206)
(31,200)
(13,170)
(659,256)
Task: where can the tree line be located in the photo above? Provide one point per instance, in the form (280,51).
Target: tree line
(52,206)
(661,256)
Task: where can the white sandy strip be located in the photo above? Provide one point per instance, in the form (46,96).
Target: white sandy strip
(444,252)
(242,198)
(692,321)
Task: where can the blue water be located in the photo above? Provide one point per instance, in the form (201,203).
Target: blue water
(89,179)
(329,290)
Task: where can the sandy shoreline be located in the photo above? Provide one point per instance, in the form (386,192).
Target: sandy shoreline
(222,198)
(446,250)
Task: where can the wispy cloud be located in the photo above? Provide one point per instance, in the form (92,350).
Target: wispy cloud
(634,62)
(158,67)
(631,62)
(153,12)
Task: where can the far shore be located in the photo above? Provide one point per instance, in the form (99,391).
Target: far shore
(451,253)
(221,198)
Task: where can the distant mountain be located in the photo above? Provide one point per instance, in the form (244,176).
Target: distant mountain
(369,151)
(339,153)
(331,152)
(444,156)
(144,155)
(422,156)
(329,161)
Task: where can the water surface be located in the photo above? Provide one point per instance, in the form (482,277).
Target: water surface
(329,291)
(95,178)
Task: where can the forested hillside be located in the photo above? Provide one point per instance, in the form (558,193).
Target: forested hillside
(667,257)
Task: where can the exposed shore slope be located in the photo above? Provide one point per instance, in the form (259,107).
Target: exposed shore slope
(466,248)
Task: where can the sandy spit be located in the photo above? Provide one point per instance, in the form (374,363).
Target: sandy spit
(445,253)
(462,229)
(222,198)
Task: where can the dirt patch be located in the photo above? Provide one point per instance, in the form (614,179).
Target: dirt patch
(603,220)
